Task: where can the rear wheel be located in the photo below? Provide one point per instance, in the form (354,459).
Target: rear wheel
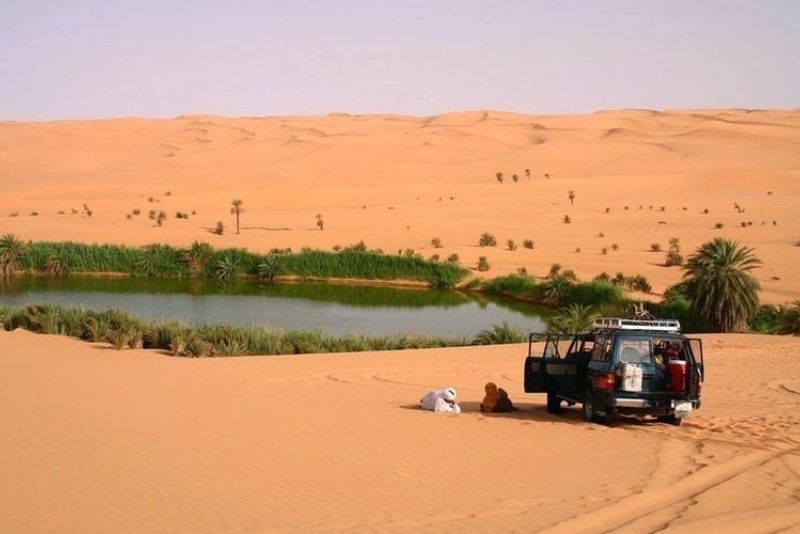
(671,419)
(589,413)
(553,403)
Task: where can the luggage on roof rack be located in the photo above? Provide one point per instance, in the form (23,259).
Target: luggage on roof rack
(615,323)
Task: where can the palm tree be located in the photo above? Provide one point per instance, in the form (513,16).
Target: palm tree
(572,197)
(528,174)
(718,282)
(196,256)
(572,319)
(237,210)
(227,269)
(12,248)
(269,268)
(555,290)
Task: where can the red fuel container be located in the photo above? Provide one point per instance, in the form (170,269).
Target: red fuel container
(677,375)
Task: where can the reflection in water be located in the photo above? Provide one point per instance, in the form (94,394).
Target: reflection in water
(333,308)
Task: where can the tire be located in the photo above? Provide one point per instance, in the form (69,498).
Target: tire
(589,413)
(553,403)
(671,420)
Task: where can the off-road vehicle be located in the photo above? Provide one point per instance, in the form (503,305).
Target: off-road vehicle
(622,366)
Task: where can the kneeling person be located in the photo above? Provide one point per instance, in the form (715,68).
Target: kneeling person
(441,400)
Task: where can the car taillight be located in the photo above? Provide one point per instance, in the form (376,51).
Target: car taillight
(606,382)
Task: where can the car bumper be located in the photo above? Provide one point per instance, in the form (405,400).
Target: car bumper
(652,406)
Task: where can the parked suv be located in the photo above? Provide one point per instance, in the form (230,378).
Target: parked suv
(621,366)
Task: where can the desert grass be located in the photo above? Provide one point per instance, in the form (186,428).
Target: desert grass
(227,264)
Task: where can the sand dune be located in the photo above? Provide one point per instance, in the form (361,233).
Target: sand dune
(397,181)
(96,440)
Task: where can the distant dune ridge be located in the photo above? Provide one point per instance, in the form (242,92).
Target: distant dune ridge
(398,181)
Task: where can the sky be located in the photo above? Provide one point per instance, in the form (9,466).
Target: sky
(105,58)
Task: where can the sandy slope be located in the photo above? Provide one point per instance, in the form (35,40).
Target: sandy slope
(398,181)
(96,440)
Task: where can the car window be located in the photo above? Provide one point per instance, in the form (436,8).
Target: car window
(557,346)
(602,348)
(666,349)
(636,350)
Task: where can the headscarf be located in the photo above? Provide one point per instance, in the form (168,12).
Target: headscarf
(491,397)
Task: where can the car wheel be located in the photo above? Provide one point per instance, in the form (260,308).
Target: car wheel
(553,403)
(589,413)
(671,420)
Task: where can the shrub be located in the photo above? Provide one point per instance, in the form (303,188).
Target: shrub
(604,251)
(196,257)
(514,178)
(14,214)
(487,240)
(595,293)
(554,291)
(453,258)
(518,285)
(499,334)
(511,245)
(12,251)
(604,277)
(227,269)
(436,242)
(567,219)
(136,211)
(483,264)
(36,214)
(435,257)
(789,319)
(673,258)
(655,247)
(705,211)
(719,226)
(639,283)
(57,265)
(219,229)
(528,243)
(615,247)
(499,176)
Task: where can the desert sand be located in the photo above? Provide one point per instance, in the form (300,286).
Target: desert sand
(398,181)
(96,440)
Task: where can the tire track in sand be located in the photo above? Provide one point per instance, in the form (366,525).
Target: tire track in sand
(642,504)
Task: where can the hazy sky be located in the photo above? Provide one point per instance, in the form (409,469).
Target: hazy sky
(100,58)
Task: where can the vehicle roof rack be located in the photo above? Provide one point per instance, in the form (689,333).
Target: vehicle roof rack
(615,323)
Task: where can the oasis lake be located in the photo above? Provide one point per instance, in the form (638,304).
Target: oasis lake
(303,306)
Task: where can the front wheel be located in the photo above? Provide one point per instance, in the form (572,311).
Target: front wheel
(553,403)
(589,413)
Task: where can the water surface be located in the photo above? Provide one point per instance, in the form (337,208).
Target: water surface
(328,307)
